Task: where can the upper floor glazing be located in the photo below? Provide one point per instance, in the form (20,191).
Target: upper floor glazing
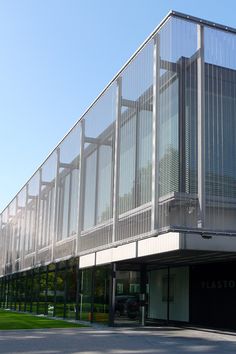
(155,152)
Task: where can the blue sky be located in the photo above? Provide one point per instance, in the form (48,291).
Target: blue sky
(55,58)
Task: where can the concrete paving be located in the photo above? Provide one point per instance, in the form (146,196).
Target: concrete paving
(155,340)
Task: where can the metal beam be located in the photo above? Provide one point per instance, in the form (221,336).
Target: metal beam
(182,137)
(136,104)
(81,185)
(168,295)
(46,293)
(25,229)
(77,296)
(96,185)
(55,206)
(96,141)
(65,289)
(155,131)
(168,65)
(46,183)
(136,197)
(117,158)
(37,228)
(65,165)
(201,125)
(32,196)
(10,245)
(69,204)
(55,290)
(112,294)
(93,275)
(129,103)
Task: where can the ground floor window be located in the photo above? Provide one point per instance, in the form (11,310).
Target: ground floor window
(60,290)
(126,293)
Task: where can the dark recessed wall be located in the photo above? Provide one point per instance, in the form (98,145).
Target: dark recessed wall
(213,295)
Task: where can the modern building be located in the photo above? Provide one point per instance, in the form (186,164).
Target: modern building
(133,216)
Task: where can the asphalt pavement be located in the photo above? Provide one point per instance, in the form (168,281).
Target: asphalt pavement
(146,340)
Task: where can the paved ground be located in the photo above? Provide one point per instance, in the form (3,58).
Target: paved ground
(117,341)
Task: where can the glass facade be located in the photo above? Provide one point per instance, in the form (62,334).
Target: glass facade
(60,290)
(177,134)
(220,174)
(154,153)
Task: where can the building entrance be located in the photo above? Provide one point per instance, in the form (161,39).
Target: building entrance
(168,297)
(127,297)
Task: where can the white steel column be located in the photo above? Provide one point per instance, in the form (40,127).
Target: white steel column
(35,241)
(81,185)
(96,183)
(55,207)
(10,237)
(117,158)
(37,228)
(25,228)
(201,125)
(21,233)
(69,203)
(155,130)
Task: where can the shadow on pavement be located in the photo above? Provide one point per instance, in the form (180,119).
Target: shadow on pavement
(116,341)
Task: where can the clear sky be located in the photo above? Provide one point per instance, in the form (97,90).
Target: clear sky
(56,56)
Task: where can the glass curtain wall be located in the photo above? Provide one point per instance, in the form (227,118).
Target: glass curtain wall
(85,294)
(135,145)
(10,292)
(51,285)
(8,234)
(39,218)
(67,194)
(93,299)
(220,129)
(127,299)
(3,248)
(19,229)
(32,204)
(177,135)
(22,291)
(35,290)
(60,293)
(71,290)
(28,292)
(96,187)
(101,295)
(98,163)
(42,299)
(46,208)
(17,298)
(59,290)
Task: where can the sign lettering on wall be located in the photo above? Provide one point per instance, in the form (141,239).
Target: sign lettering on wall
(218,284)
